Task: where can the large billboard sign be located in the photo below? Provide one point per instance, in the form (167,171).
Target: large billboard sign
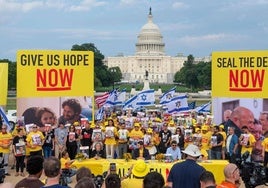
(51,78)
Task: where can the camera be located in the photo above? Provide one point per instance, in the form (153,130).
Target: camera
(112,168)
(2,173)
(252,173)
(98,180)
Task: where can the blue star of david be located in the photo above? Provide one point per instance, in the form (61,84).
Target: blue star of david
(143,97)
(178,104)
(115,97)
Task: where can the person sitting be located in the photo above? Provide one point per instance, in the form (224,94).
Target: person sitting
(98,151)
(174,151)
(141,152)
(66,163)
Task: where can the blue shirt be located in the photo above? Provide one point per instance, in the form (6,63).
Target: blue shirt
(176,154)
(185,174)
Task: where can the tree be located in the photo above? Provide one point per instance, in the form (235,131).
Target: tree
(194,75)
(101,73)
(12,73)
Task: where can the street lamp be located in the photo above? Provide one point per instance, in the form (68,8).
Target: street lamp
(113,70)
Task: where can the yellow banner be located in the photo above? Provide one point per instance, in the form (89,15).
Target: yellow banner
(240,74)
(43,73)
(4,82)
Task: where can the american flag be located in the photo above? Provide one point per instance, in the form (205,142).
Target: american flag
(100,100)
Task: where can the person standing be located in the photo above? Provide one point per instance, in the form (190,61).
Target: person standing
(60,139)
(232,177)
(34,167)
(49,143)
(52,170)
(19,150)
(216,143)
(71,142)
(86,137)
(123,135)
(247,142)
(5,143)
(263,118)
(35,140)
(232,143)
(165,138)
(207,180)
(186,173)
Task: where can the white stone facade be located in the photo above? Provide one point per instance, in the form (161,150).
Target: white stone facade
(150,56)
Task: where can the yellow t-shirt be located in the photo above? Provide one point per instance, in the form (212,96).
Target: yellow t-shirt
(136,134)
(252,141)
(205,140)
(35,139)
(265,144)
(110,134)
(132,183)
(5,140)
(64,162)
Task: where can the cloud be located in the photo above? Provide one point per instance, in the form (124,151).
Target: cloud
(211,38)
(178,5)
(86,5)
(12,6)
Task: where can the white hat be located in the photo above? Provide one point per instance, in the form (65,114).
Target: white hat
(192,150)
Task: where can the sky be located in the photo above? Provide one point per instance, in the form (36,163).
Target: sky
(196,27)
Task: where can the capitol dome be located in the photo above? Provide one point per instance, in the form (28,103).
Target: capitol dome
(150,39)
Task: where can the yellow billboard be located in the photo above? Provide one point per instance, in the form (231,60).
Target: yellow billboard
(4,82)
(43,73)
(240,74)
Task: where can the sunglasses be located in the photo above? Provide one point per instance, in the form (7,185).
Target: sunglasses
(174,145)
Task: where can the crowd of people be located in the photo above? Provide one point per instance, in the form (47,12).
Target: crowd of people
(142,135)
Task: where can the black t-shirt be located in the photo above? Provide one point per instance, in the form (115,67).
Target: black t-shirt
(49,137)
(165,136)
(86,137)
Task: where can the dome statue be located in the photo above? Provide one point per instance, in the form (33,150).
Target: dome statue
(150,39)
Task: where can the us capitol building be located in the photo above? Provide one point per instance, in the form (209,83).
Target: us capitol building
(150,56)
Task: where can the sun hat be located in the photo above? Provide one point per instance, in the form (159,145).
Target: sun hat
(140,169)
(136,124)
(192,150)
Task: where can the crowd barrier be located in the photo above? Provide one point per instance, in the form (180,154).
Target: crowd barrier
(98,167)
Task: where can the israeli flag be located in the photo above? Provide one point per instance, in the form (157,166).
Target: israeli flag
(205,108)
(131,103)
(121,97)
(99,114)
(111,98)
(4,117)
(177,104)
(166,97)
(146,98)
